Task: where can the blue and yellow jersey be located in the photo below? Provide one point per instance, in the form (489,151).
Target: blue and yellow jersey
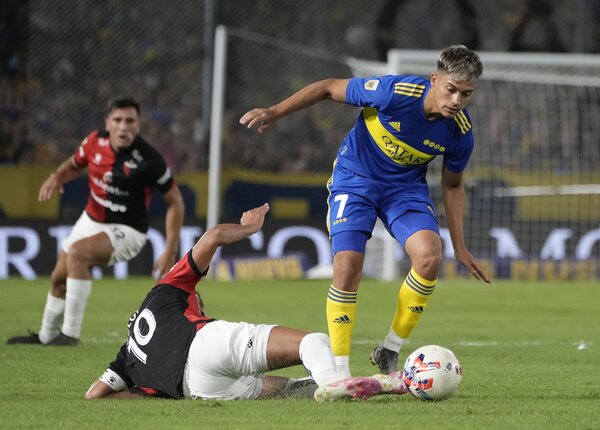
(393,141)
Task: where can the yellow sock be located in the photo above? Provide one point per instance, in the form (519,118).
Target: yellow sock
(341,312)
(412,301)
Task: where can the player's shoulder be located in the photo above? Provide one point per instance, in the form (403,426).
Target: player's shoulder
(409,86)
(142,144)
(145,148)
(461,123)
(410,80)
(398,90)
(95,138)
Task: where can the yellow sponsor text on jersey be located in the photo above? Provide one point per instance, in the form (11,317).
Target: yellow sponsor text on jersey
(398,151)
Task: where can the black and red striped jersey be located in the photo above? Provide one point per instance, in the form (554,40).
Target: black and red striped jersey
(121,183)
(161,332)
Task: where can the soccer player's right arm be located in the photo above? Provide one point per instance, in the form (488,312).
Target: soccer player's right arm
(67,171)
(332,89)
(263,118)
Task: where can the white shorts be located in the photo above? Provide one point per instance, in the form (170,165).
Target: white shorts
(226,361)
(126,241)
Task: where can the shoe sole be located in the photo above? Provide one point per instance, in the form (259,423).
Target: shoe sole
(24,340)
(9,342)
(63,344)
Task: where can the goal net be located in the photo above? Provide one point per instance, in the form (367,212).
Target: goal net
(533,183)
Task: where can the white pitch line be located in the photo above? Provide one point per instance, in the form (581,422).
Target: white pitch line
(581,344)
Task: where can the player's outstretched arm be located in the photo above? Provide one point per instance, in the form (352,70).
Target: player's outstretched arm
(224,234)
(263,118)
(67,171)
(453,191)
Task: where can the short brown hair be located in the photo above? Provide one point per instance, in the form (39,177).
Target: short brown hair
(121,103)
(461,63)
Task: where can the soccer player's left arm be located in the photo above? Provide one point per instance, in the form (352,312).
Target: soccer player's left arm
(113,384)
(224,234)
(453,191)
(173,222)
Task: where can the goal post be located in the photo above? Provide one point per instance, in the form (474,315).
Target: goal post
(216,124)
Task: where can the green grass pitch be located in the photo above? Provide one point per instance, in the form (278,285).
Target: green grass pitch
(529,350)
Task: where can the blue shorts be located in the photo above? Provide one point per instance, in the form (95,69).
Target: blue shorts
(402,228)
(355,202)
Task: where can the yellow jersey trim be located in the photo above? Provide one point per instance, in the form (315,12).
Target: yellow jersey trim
(411,90)
(463,122)
(396,150)
(329,182)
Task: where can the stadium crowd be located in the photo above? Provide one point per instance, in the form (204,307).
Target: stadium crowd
(61,62)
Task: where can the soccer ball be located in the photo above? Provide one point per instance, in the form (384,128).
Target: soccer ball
(432,372)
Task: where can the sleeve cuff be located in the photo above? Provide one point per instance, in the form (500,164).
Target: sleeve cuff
(113,380)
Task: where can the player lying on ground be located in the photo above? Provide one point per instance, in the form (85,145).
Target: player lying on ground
(174,350)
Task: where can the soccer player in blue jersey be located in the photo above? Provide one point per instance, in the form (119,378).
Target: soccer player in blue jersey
(380,171)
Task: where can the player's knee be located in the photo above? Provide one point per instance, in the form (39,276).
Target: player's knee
(78,254)
(428,265)
(347,270)
(314,342)
(320,338)
(58,278)
(59,289)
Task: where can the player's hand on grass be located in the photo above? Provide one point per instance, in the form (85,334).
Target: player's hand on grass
(53,183)
(259,117)
(473,266)
(255,217)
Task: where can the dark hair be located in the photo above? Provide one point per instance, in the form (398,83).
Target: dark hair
(121,103)
(461,63)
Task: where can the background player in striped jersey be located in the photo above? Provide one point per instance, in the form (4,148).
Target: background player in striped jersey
(380,171)
(123,171)
(174,350)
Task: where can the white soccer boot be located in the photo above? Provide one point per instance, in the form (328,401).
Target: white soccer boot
(360,387)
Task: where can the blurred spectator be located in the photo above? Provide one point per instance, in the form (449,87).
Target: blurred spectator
(466,29)
(13,124)
(537,29)
(62,60)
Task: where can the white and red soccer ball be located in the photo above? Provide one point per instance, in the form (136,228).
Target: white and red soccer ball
(432,372)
